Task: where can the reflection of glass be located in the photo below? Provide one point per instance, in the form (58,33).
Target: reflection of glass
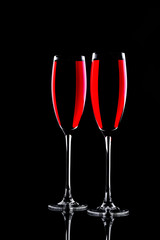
(108,88)
(68,96)
(107,222)
(67,219)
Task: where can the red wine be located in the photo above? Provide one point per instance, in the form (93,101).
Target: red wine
(122,91)
(108,89)
(68,91)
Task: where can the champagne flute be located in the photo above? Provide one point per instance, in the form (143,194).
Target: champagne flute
(68,95)
(108,89)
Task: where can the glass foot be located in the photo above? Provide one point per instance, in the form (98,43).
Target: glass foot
(105,210)
(71,206)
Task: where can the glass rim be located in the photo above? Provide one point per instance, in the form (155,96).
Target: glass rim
(69,57)
(99,54)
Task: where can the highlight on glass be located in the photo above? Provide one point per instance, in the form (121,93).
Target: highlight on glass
(108,90)
(68,90)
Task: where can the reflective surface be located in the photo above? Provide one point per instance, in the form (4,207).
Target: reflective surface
(79,225)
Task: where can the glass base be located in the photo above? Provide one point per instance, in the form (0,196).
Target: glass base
(64,206)
(108,210)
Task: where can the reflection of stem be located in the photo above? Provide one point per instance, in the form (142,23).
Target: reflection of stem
(107,226)
(67,219)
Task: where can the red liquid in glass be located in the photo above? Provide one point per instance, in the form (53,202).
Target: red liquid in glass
(68,92)
(108,89)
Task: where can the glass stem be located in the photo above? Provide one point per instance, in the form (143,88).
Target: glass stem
(107,197)
(67,194)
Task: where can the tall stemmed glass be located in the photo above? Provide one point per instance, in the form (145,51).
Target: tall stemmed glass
(68,95)
(108,89)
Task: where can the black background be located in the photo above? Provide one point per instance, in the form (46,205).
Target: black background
(40,154)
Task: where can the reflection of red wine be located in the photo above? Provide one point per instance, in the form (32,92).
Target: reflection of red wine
(68,91)
(108,87)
